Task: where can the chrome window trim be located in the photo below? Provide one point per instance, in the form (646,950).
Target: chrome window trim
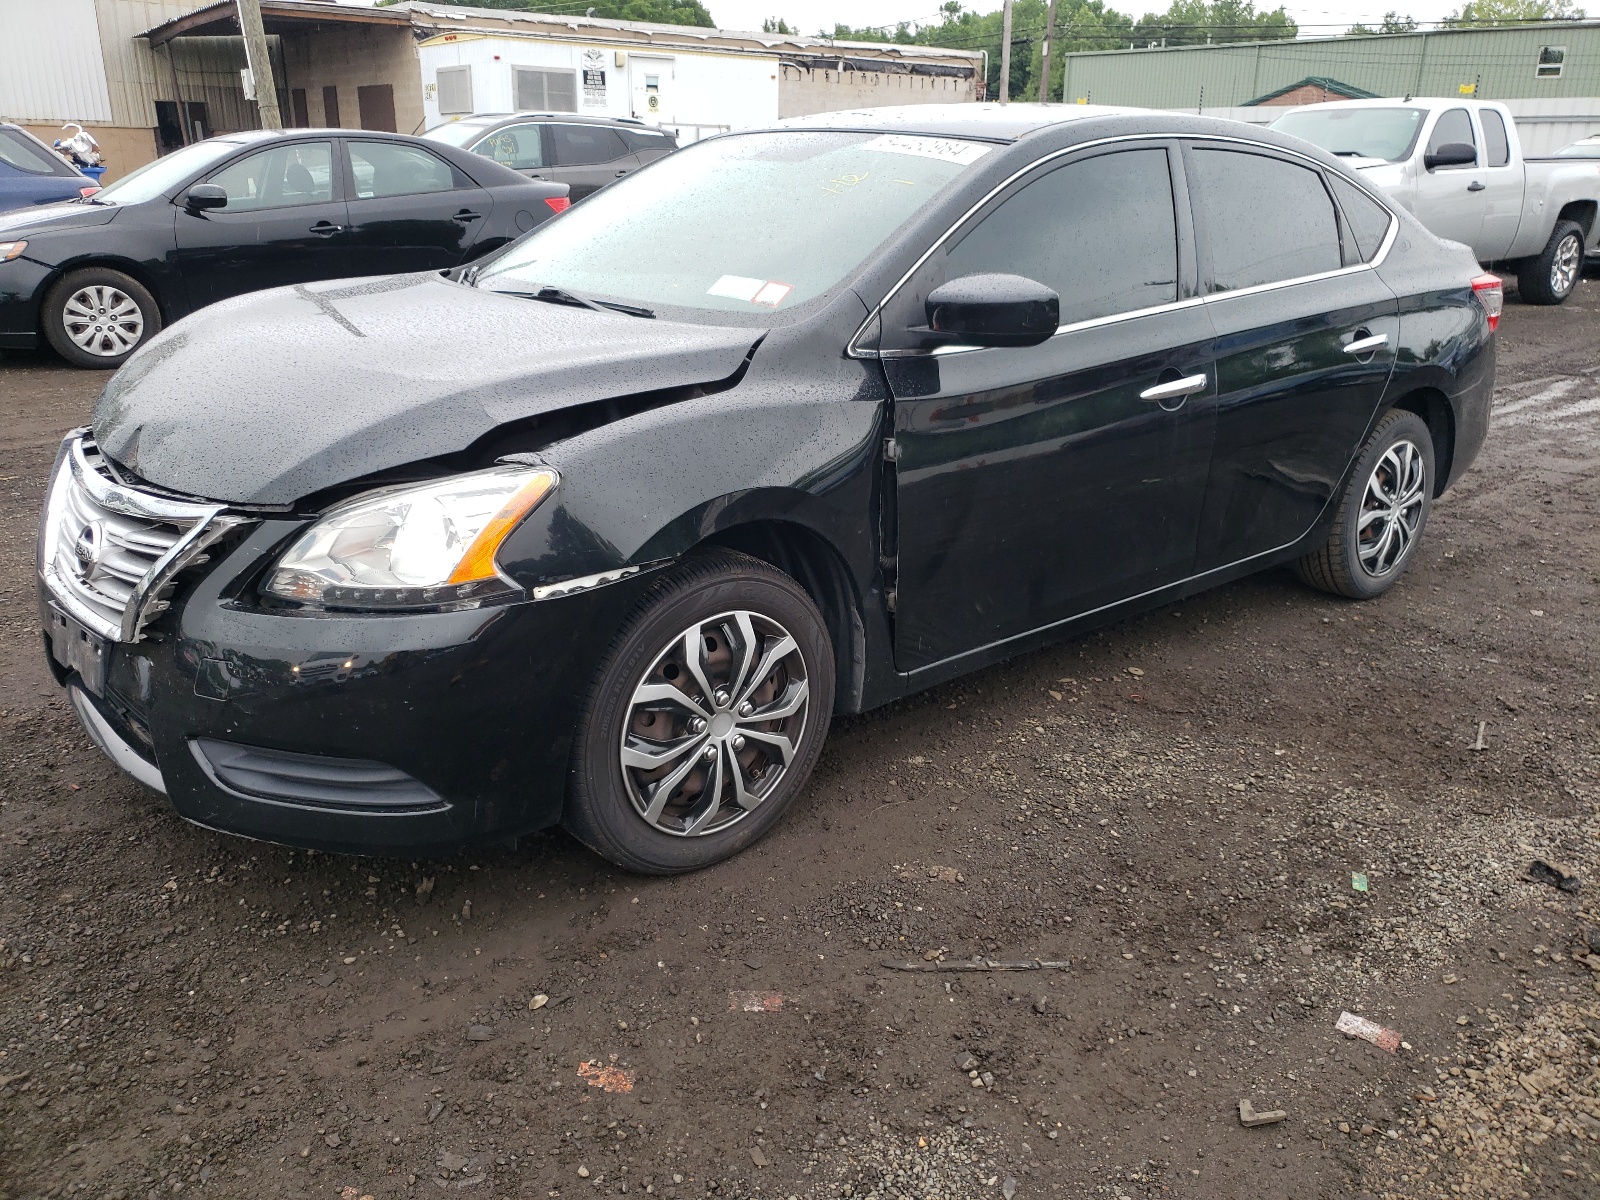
(853,350)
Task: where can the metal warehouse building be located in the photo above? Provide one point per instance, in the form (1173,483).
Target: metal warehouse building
(147,76)
(1547,74)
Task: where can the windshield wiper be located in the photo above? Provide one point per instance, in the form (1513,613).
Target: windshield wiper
(555,295)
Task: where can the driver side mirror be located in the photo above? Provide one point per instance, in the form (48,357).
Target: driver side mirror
(203,196)
(1451,154)
(993,310)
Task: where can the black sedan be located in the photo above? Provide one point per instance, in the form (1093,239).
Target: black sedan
(98,277)
(605,529)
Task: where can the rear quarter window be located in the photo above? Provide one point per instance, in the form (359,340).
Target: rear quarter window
(1366,220)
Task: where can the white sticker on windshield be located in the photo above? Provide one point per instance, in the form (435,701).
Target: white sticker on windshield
(772,294)
(947,149)
(736,287)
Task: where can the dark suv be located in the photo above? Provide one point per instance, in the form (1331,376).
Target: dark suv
(585,153)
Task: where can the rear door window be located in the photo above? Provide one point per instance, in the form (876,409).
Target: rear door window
(586,145)
(520,147)
(1495,142)
(1100,231)
(284,176)
(395,169)
(1263,219)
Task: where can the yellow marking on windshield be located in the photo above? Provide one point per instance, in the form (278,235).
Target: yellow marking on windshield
(844,181)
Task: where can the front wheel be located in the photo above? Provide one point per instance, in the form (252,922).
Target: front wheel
(97,317)
(1381,515)
(705,719)
(1550,276)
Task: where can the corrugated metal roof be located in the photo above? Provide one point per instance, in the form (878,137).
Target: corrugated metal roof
(51,67)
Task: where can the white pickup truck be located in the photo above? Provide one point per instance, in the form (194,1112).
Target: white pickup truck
(1457,165)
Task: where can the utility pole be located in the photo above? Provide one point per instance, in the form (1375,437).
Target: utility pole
(1044,57)
(1005,55)
(260,63)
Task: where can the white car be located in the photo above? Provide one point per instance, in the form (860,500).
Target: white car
(1458,166)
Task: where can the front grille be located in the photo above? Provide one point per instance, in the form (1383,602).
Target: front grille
(108,553)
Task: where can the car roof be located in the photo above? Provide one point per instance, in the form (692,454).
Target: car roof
(990,121)
(565,117)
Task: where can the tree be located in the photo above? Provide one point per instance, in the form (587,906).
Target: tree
(1198,23)
(1393,22)
(653,12)
(777,25)
(1481,13)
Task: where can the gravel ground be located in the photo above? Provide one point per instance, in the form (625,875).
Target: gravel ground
(1173,808)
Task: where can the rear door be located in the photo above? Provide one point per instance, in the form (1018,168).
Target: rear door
(410,210)
(285,222)
(587,157)
(1036,484)
(1305,341)
(1503,175)
(1449,199)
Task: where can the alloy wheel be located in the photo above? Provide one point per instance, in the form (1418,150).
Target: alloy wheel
(714,724)
(1566,264)
(1391,509)
(103,320)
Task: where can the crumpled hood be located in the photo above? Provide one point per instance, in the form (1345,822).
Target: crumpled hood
(267,398)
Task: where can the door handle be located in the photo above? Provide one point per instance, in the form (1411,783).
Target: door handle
(465,216)
(1476,186)
(1187,386)
(1366,345)
(622,172)
(326,229)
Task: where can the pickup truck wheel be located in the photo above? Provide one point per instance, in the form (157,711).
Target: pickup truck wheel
(1550,276)
(97,317)
(705,719)
(1381,515)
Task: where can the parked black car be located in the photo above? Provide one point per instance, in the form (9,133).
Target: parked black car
(605,529)
(32,173)
(100,276)
(585,153)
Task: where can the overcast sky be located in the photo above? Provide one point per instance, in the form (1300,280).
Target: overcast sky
(1317,17)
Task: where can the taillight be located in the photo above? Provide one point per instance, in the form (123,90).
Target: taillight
(561,204)
(1491,294)
(85,192)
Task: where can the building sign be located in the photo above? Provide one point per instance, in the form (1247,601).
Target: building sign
(594,79)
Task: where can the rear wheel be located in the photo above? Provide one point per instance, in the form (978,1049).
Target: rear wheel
(97,317)
(1550,276)
(705,720)
(1381,515)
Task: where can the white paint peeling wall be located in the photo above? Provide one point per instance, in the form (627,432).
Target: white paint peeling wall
(51,65)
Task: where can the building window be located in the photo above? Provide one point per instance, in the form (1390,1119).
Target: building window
(1551,60)
(544,91)
(455,90)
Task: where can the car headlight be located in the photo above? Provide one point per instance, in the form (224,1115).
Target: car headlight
(419,546)
(10,250)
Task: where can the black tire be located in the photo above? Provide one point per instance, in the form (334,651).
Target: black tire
(137,317)
(1552,275)
(606,811)
(1341,564)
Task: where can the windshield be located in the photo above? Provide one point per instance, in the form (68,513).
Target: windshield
(741,224)
(1386,133)
(458,133)
(161,176)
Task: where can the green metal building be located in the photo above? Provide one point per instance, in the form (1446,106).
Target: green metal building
(1549,61)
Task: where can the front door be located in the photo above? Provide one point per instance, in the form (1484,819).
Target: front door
(409,209)
(650,80)
(1448,198)
(1041,483)
(284,223)
(587,157)
(1305,342)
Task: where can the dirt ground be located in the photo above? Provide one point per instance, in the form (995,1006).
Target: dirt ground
(1175,808)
